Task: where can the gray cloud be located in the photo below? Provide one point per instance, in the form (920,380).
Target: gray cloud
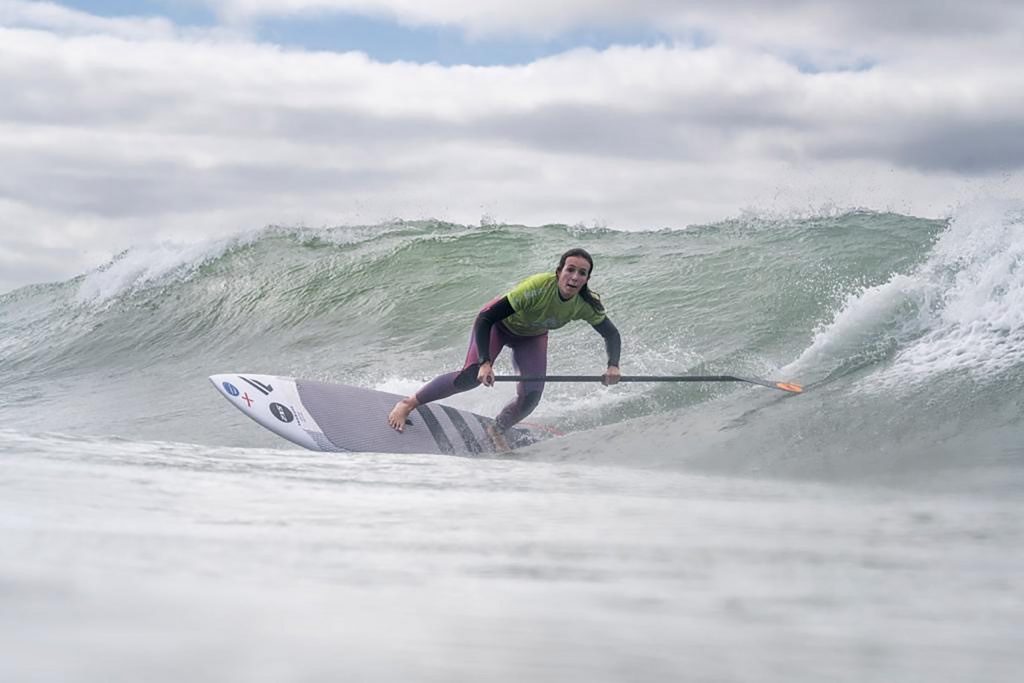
(959,147)
(21,264)
(837,21)
(116,132)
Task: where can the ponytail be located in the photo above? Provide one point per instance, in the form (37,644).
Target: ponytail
(592,298)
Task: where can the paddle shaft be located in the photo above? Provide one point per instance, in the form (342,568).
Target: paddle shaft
(784,386)
(623,378)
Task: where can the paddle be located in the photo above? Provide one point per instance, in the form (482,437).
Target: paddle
(784,386)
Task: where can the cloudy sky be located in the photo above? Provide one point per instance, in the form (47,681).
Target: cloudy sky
(128,123)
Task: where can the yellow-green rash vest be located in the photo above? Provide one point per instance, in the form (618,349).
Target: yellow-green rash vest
(538,307)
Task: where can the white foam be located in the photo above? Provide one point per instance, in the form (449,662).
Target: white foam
(963,309)
(145,265)
(978,324)
(898,307)
(142,266)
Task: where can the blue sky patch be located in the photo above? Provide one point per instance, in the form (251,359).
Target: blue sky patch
(385,40)
(181,13)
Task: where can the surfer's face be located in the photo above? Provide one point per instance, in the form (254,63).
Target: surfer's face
(573,276)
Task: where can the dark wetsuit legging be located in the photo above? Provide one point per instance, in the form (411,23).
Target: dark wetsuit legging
(530,357)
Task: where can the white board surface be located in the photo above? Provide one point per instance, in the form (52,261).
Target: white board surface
(338,417)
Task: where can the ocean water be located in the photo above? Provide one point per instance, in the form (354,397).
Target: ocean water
(867,530)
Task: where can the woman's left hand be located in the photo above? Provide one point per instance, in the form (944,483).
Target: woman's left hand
(611,376)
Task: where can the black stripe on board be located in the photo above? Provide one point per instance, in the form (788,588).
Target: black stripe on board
(435,429)
(265,388)
(464,431)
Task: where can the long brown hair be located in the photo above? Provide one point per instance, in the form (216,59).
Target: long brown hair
(592,298)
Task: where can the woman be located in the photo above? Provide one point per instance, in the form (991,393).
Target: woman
(521,320)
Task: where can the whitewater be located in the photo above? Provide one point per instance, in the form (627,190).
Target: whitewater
(867,530)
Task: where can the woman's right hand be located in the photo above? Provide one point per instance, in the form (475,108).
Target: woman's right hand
(485,375)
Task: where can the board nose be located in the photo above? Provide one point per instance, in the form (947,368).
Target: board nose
(224,385)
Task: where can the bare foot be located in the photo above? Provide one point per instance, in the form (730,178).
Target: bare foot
(497,438)
(398,414)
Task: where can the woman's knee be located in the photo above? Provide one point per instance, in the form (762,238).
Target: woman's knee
(466,379)
(529,401)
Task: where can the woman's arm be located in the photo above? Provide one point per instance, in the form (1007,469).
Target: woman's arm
(613,345)
(485,320)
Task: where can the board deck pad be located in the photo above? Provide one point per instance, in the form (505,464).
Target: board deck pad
(338,417)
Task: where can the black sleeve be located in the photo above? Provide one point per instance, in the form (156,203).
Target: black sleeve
(612,340)
(485,320)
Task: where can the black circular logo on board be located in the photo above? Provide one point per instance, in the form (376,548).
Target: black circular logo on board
(281,412)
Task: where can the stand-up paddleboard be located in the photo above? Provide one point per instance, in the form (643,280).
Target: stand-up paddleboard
(338,417)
